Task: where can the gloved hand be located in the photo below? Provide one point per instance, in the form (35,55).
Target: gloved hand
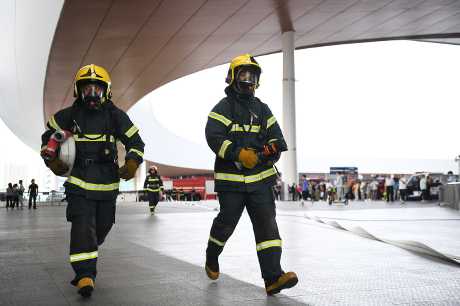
(270,154)
(128,170)
(57,166)
(248,158)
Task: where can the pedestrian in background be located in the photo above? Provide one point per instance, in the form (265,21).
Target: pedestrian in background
(33,192)
(21,190)
(402,189)
(305,190)
(423,188)
(396,188)
(9,196)
(16,196)
(339,186)
(389,182)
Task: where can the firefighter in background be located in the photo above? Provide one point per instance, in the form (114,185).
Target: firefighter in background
(247,140)
(92,186)
(153,185)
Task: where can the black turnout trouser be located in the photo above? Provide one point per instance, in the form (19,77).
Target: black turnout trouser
(261,209)
(154,198)
(91,222)
(390,195)
(32,197)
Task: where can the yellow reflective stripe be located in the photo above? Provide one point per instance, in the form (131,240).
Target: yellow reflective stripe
(83,256)
(254,128)
(272,140)
(153,180)
(52,122)
(268,244)
(229,177)
(152,190)
(140,153)
(223,148)
(245,179)
(93,138)
(219,243)
(259,176)
(220,118)
(271,121)
(132,130)
(92,187)
(237,128)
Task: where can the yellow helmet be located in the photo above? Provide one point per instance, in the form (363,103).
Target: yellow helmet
(240,61)
(93,73)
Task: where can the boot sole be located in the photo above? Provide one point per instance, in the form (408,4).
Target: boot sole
(211,274)
(289,284)
(86,291)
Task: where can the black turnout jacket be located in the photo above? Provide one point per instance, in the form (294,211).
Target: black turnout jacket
(96,133)
(153,183)
(236,123)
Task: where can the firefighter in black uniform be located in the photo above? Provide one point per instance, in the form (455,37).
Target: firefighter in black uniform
(153,185)
(247,140)
(92,186)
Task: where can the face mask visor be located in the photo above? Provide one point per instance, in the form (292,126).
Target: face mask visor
(247,80)
(92,95)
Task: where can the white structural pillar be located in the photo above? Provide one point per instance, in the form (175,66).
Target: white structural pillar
(289,161)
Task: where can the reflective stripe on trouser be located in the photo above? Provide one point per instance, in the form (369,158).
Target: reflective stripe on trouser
(91,222)
(261,209)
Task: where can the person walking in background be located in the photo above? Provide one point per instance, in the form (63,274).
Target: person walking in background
(293,190)
(402,189)
(339,186)
(375,190)
(153,186)
(396,188)
(369,191)
(21,190)
(331,192)
(389,182)
(363,190)
(355,188)
(423,188)
(16,196)
(277,189)
(304,187)
(429,184)
(9,196)
(33,192)
(298,188)
(322,191)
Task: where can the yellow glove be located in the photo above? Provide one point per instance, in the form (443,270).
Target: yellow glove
(248,158)
(128,170)
(57,166)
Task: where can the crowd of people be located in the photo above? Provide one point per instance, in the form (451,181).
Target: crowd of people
(388,188)
(15,195)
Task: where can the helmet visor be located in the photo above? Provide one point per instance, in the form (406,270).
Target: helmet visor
(248,75)
(92,90)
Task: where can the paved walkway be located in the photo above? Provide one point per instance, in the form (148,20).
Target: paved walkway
(158,260)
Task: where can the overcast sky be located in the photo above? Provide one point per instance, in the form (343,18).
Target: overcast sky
(383,107)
